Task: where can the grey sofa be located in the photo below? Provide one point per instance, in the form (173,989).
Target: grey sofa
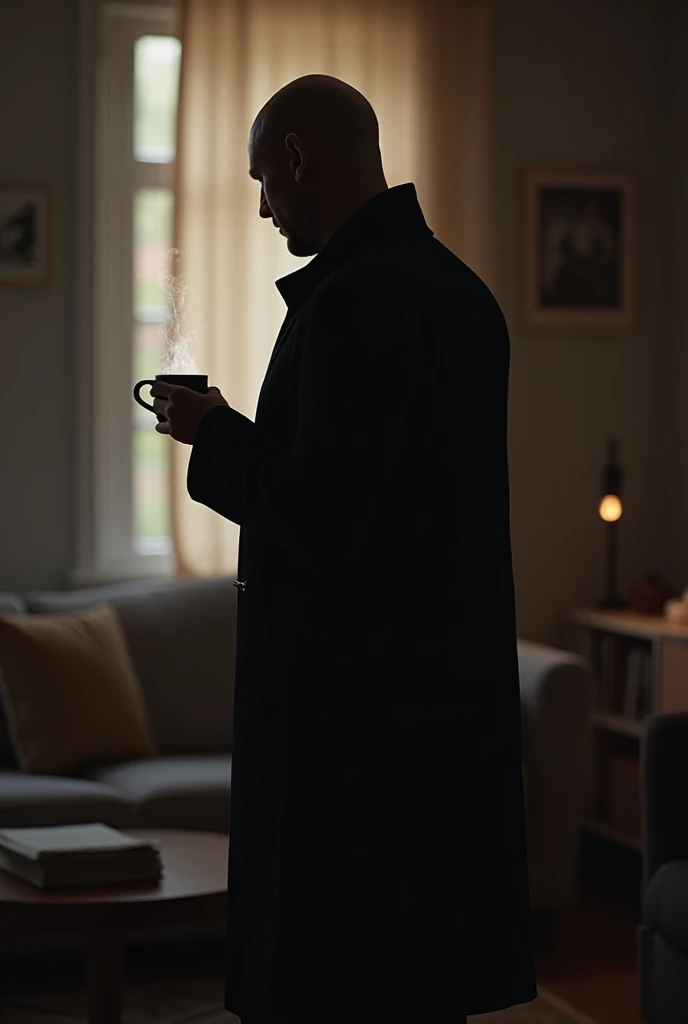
(663,931)
(181,635)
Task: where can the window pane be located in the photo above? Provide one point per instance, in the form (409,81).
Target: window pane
(151,451)
(151,501)
(156,81)
(149,344)
(156,84)
(153,209)
(152,526)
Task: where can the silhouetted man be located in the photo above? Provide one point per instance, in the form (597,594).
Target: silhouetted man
(377,864)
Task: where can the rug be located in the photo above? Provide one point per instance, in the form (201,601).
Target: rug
(202,1002)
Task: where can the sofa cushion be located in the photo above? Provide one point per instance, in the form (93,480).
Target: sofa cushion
(183,791)
(181,636)
(9,604)
(36,800)
(73,690)
(666,903)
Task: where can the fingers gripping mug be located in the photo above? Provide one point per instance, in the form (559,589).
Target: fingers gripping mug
(195,381)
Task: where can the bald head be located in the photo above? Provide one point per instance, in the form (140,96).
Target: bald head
(326,114)
(315,148)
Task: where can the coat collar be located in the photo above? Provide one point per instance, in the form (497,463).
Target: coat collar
(391,216)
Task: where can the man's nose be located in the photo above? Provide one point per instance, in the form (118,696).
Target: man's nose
(264,210)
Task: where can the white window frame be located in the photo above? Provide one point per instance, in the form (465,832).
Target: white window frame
(105,187)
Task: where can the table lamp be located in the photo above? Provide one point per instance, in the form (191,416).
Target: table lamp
(610,512)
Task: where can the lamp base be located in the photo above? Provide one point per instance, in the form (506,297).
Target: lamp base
(612,604)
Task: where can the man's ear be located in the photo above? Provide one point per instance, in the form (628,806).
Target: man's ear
(298,160)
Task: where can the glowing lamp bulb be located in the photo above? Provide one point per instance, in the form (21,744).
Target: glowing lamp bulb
(610,508)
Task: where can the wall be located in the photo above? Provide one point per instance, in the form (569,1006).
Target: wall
(37,126)
(677,442)
(576,82)
(581,83)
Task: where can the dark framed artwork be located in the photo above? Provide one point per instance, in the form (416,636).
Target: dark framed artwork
(26,235)
(577,249)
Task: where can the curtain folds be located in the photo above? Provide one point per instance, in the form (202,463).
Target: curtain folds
(424,66)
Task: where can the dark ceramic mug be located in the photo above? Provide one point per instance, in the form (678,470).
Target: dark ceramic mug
(195,381)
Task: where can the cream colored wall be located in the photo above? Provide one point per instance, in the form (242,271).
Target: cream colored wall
(581,83)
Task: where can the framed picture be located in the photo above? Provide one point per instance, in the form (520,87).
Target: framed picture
(26,235)
(577,249)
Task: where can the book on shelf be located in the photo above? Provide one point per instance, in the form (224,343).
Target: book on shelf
(644,706)
(606,672)
(633,682)
(73,856)
(624,795)
(625,678)
(611,673)
(639,701)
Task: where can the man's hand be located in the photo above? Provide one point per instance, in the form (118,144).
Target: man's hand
(181,409)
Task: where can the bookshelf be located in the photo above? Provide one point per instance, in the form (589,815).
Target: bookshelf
(640,666)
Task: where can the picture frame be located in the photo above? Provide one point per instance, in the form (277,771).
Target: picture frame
(26,234)
(577,249)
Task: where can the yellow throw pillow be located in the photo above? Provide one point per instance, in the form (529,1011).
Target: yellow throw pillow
(72,695)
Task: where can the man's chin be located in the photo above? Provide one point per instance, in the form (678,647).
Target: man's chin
(297,248)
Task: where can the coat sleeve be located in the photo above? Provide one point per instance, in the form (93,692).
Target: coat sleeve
(358,384)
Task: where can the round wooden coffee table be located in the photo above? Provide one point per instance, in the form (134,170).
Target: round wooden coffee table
(193,890)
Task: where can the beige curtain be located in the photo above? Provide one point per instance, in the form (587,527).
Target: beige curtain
(423,64)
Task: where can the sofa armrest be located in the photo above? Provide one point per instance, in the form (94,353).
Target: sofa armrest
(664,777)
(556,705)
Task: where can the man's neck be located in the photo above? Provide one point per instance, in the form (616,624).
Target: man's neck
(351,203)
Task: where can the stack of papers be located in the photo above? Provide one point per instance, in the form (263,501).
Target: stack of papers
(73,856)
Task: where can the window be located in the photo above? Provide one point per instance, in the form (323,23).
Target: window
(156,79)
(125,492)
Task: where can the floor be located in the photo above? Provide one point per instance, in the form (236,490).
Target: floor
(589,960)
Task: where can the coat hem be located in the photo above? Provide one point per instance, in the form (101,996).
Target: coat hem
(493,1005)
(473,1009)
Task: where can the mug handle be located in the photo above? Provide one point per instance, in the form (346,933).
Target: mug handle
(137,393)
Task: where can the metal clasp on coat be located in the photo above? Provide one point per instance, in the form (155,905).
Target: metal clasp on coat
(239,584)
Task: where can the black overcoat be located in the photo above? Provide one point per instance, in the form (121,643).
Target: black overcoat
(377,863)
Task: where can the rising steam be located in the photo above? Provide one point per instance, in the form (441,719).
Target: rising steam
(179,338)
